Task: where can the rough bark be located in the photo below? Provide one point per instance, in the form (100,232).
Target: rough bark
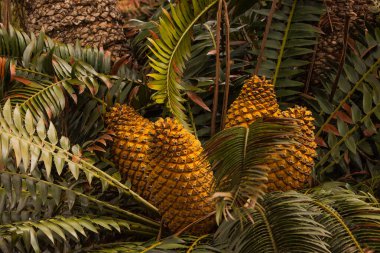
(95,23)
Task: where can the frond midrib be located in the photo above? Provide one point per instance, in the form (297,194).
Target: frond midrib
(340,220)
(99,202)
(86,166)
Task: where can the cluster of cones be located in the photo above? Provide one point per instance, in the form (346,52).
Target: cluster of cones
(166,164)
(294,162)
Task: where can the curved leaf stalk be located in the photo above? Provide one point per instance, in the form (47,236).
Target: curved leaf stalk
(33,72)
(217,69)
(195,243)
(92,199)
(30,101)
(349,94)
(344,138)
(261,211)
(151,247)
(228,65)
(337,216)
(284,40)
(260,57)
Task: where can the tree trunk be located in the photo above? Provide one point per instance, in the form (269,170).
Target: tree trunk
(95,23)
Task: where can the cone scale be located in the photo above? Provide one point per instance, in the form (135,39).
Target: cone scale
(166,165)
(131,145)
(292,164)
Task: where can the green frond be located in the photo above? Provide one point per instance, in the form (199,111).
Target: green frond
(171,50)
(186,244)
(41,87)
(240,154)
(329,218)
(292,36)
(21,193)
(19,45)
(39,234)
(352,220)
(31,143)
(280,222)
(357,89)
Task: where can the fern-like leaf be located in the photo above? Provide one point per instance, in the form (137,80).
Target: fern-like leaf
(240,156)
(185,244)
(171,50)
(292,37)
(280,222)
(49,231)
(32,143)
(325,219)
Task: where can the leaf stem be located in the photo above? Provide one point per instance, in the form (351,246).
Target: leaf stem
(284,40)
(260,57)
(260,209)
(217,69)
(337,216)
(228,65)
(99,202)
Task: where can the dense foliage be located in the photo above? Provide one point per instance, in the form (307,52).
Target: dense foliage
(61,192)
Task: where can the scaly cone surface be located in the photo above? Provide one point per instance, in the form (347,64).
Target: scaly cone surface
(181,178)
(257,99)
(131,144)
(294,162)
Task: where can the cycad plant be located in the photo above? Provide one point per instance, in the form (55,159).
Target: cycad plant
(88,164)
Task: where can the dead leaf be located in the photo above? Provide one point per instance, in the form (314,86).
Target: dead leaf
(196,99)
(331,129)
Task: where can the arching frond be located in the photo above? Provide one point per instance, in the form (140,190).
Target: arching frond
(25,197)
(45,233)
(185,244)
(44,94)
(350,218)
(171,50)
(240,154)
(281,222)
(348,123)
(19,45)
(31,143)
(325,219)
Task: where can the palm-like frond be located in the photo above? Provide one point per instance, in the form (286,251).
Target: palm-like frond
(184,244)
(292,36)
(21,193)
(42,87)
(240,156)
(19,45)
(280,222)
(50,231)
(171,50)
(325,219)
(348,123)
(32,143)
(353,222)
